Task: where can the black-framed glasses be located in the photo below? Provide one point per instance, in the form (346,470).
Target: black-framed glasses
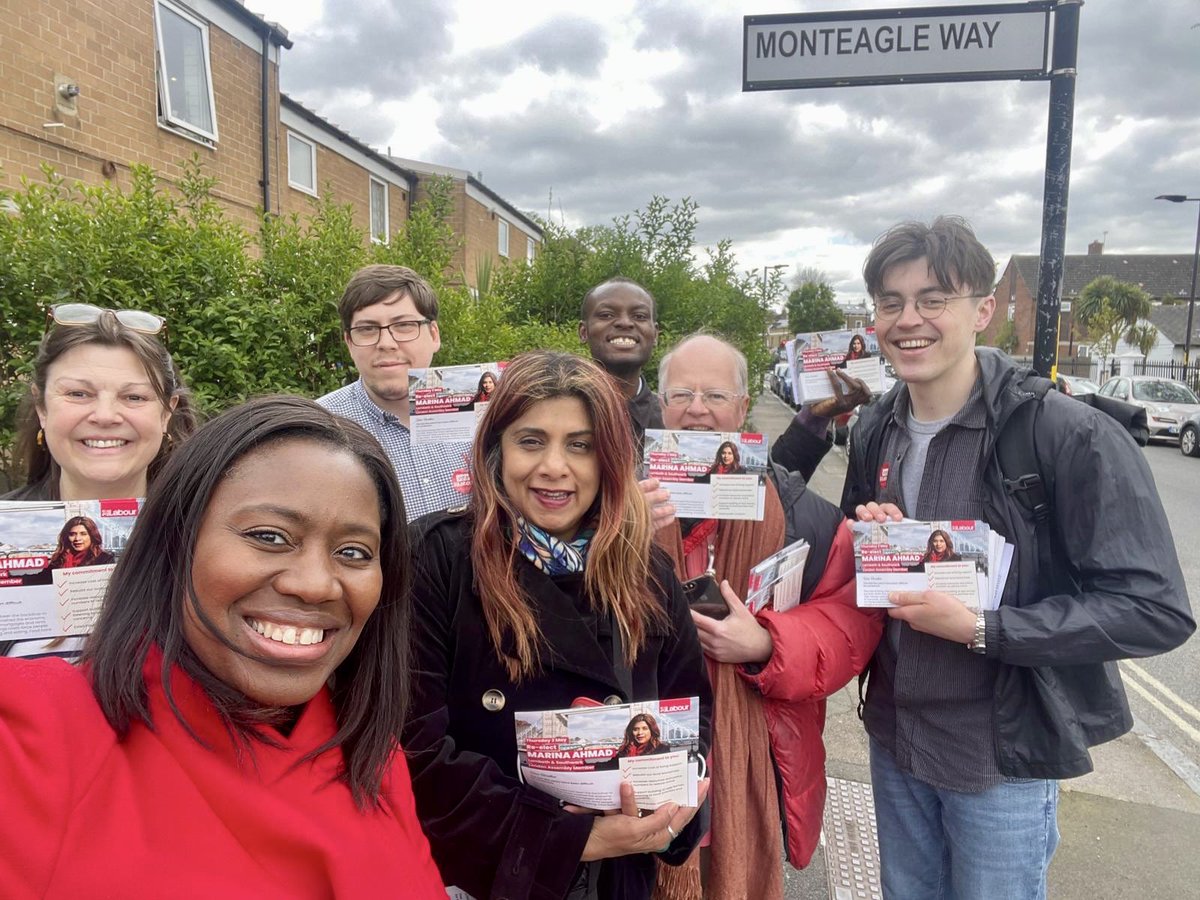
(75,314)
(929,306)
(401,332)
(712,399)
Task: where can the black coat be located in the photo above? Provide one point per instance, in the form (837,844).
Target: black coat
(490,834)
(1113,590)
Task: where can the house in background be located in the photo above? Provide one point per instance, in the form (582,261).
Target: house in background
(1162,276)
(93,87)
(319,156)
(489,226)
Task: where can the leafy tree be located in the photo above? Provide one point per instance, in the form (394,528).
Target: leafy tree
(810,307)
(1105,327)
(1143,336)
(253,312)
(1127,301)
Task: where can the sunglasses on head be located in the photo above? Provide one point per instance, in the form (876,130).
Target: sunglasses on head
(70,314)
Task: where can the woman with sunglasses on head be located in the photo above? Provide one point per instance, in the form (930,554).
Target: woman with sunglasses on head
(104,408)
(233,729)
(546,591)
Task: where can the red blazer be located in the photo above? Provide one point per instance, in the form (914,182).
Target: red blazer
(819,646)
(161,815)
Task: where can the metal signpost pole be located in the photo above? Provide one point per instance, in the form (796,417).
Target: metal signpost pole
(1058,180)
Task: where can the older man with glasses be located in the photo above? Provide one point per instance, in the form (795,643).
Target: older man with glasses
(770,672)
(389,324)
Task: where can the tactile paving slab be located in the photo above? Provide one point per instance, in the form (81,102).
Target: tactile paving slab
(851,847)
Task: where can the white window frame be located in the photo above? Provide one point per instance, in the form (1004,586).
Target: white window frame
(165,115)
(312,191)
(501,236)
(530,250)
(371,182)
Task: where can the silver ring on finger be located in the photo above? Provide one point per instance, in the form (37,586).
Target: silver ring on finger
(672,832)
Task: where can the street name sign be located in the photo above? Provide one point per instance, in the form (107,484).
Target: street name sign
(897,46)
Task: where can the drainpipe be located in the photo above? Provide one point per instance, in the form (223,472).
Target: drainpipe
(266,109)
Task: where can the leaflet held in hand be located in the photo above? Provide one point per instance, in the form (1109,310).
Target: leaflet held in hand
(964,558)
(583,754)
(811,356)
(710,474)
(56,558)
(446,402)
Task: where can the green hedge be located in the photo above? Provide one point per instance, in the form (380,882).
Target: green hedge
(256,312)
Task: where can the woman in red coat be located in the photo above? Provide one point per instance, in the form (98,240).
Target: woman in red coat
(233,727)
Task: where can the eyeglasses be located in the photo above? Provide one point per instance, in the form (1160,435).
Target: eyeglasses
(401,332)
(71,314)
(712,399)
(929,306)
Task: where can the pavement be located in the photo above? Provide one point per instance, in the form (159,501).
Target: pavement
(1130,829)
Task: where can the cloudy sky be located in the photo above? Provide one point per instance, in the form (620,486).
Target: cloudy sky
(583,111)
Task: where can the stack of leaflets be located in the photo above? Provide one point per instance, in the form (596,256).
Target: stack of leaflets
(582,755)
(811,356)
(964,558)
(55,561)
(447,402)
(776,581)
(710,474)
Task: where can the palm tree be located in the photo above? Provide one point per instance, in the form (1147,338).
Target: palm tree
(1128,301)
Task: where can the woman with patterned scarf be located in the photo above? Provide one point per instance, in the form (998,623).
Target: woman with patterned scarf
(545,591)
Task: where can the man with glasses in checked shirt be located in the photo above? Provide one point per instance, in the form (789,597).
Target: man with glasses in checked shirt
(389,323)
(973,715)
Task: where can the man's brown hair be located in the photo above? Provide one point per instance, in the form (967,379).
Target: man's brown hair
(956,257)
(375,283)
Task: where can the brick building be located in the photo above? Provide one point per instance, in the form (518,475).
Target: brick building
(490,226)
(1162,276)
(93,87)
(319,156)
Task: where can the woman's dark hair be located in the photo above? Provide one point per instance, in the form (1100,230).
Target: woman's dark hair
(480,393)
(651,723)
(144,605)
(41,471)
(737,457)
(933,535)
(95,550)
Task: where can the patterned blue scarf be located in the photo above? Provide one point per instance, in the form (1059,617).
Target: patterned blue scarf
(551,555)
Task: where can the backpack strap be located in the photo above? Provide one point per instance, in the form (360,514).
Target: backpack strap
(1016,450)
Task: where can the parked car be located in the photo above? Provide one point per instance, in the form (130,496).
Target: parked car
(1075,385)
(780,383)
(1167,403)
(1189,436)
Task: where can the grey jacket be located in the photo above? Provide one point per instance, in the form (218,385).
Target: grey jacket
(1114,588)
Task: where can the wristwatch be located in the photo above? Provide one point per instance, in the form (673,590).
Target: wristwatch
(978,644)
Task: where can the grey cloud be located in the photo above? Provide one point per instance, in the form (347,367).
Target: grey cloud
(902,152)
(385,48)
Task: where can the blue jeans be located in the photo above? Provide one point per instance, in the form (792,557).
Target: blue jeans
(938,844)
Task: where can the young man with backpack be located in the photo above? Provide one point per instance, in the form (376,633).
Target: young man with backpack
(973,716)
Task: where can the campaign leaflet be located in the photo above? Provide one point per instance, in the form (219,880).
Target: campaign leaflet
(710,474)
(964,558)
(775,583)
(446,402)
(811,356)
(582,755)
(55,561)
